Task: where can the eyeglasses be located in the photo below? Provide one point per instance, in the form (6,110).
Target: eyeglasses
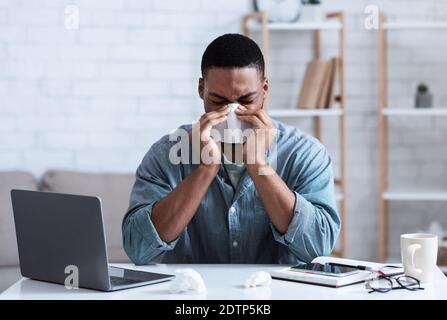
(383,283)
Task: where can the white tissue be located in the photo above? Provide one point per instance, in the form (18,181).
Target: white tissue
(231,130)
(187,280)
(258,279)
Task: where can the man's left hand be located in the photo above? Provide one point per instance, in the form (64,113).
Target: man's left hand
(264,132)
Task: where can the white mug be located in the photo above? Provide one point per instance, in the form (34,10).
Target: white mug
(419,252)
(231,130)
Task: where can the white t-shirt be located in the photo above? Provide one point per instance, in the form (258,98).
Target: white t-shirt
(234,170)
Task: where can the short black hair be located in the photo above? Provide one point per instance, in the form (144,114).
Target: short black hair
(233,50)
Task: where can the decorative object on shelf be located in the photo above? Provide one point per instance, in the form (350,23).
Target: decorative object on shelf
(279,10)
(442,253)
(424,99)
(437,229)
(312,11)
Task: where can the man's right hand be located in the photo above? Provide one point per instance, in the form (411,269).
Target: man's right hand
(172,213)
(210,151)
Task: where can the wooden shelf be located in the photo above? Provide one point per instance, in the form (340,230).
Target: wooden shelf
(414,112)
(296,113)
(413,195)
(296,26)
(258,21)
(415,25)
(385,194)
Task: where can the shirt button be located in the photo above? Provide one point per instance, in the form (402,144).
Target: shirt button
(234,243)
(232,210)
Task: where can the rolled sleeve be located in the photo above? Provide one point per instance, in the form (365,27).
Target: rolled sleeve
(142,242)
(315,225)
(301,216)
(147,229)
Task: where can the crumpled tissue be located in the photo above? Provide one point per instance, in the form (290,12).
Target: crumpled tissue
(187,280)
(258,279)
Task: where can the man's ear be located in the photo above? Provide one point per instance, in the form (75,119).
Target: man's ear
(265,87)
(201,87)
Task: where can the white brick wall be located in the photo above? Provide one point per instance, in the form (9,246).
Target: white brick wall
(97,98)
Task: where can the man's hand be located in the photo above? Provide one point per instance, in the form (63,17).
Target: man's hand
(210,151)
(264,132)
(277,198)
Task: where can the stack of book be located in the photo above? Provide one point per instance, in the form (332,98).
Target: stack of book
(317,88)
(333,281)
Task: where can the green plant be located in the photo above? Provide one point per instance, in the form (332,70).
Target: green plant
(422,88)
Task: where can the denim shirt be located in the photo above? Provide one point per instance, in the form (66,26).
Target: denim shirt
(232,225)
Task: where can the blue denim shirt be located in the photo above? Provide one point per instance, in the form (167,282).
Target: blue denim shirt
(232,225)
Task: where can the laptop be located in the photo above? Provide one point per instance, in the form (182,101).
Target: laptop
(61,239)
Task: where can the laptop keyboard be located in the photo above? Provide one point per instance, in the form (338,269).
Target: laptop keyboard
(119,281)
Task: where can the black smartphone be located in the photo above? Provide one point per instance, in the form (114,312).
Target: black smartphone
(325,269)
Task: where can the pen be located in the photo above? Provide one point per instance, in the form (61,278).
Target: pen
(360,267)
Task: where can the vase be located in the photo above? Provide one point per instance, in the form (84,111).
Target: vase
(423,100)
(311,13)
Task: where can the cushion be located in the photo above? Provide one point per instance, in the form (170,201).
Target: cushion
(8,241)
(113,189)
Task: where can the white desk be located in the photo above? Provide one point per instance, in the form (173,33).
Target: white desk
(223,282)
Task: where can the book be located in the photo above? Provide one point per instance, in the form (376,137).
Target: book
(330,92)
(332,281)
(325,86)
(312,84)
(317,86)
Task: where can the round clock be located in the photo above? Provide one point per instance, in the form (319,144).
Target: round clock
(279,10)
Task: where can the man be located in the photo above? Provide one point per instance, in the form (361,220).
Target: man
(278,206)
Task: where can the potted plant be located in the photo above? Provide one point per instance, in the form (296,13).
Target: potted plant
(423,99)
(311,11)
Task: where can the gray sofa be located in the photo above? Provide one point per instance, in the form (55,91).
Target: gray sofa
(113,189)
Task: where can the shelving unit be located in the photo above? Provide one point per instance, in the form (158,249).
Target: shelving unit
(414,25)
(305,26)
(258,21)
(414,112)
(297,113)
(384,113)
(407,195)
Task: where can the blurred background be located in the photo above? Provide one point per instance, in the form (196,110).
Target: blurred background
(87,86)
